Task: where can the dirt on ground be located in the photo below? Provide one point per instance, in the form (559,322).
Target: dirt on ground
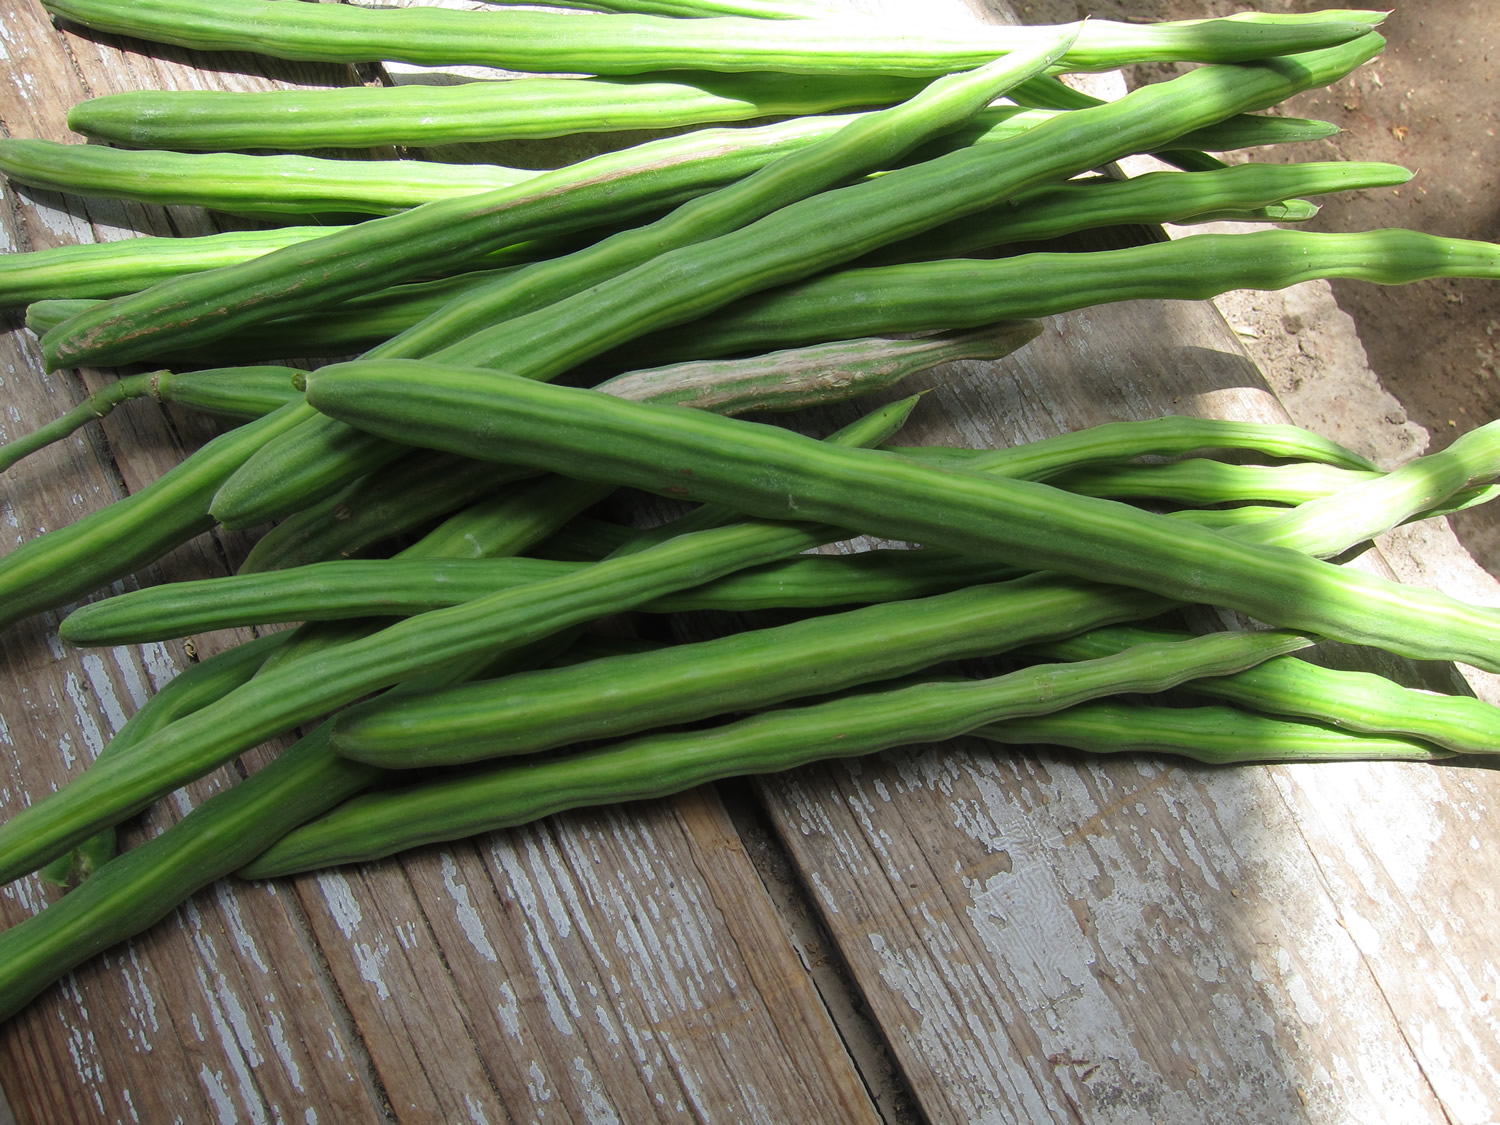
(1395,370)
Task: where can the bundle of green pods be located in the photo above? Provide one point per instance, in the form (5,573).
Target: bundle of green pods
(433,543)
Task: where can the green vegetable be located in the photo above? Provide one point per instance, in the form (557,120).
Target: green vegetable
(794,241)
(562,43)
(193,688)
(468,802)
(68,562)
(312,675)
(421,115)
(318,456)
(234,392)
(1216,735)
(1358,701)
(247,185)
(109,269)
(773,473)
(410,492)
(1201,481)
(953,293)
(448,235)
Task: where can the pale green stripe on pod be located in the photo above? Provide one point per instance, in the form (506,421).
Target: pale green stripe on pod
(469,802)
(587,43)
(1214,735)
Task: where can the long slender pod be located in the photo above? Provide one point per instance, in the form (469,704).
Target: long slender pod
(303,465)
(232,392)
(401,496)
(192,689)
(766,471)
(424,116)
(838,225)
(267,184)
(429,729)
(513,792)
(1234,192)
(1214,735)
(563,43)
(503,525)
(68,562)
(691,280)
(1117,442)
(952,293)
(1358,701)
(243,184)
(900,203)
(111,269)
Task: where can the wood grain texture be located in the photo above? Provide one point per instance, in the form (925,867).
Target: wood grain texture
(1030,935)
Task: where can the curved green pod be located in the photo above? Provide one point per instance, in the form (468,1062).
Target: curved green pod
(294,692)
(234,392)
(746,671)
(195,687)
(401,587)
(835,226)
(690,280)
(112,269)
(1201,481)
(455,234)
(424,116)
(408,493)
(587,43)
(1172,435)
(1213,735)
(768,472)
(928,296)
(1356,701)
(363,323)
(67,562)
(246,185)
(1241,193)
(467,802)
(344,330)
(801,238)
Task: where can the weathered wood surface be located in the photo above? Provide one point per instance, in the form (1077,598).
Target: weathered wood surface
(954,933)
